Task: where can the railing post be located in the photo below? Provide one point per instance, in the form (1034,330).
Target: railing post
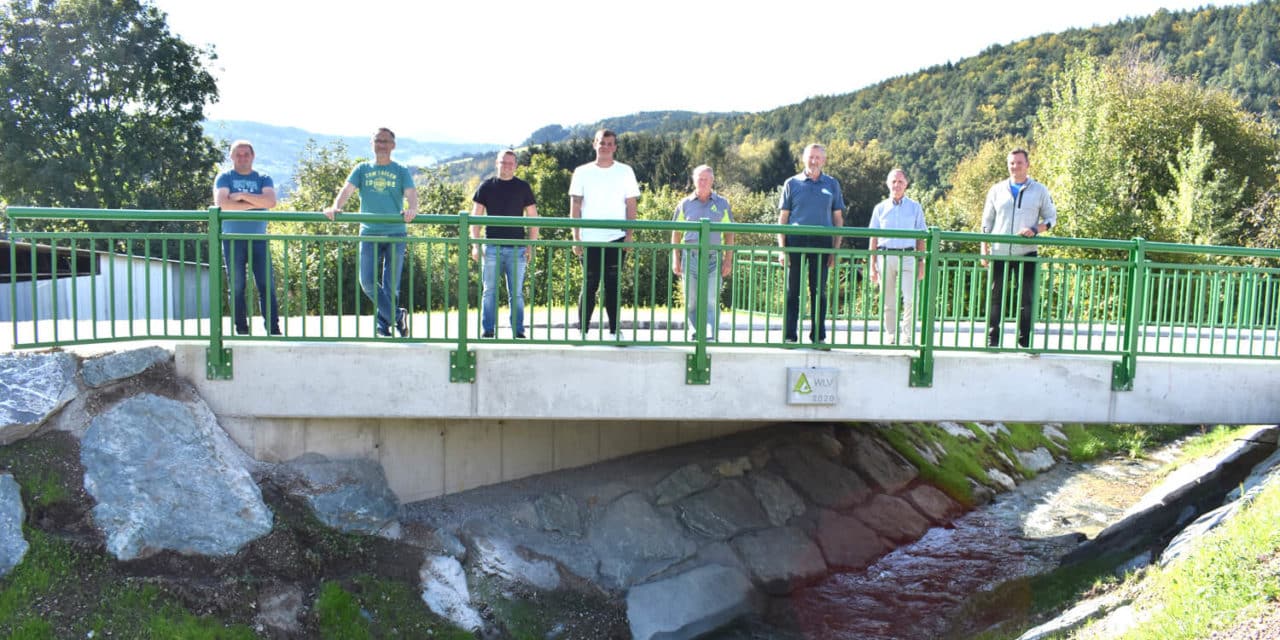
(698,363)
(462,362)
(1123,372)
(217,357)
(922,365)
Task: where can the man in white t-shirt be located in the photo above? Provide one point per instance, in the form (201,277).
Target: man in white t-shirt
(602,190)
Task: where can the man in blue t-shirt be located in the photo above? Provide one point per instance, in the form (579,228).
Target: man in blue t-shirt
(503,195)
(384,187)
(810,198)
(243,189)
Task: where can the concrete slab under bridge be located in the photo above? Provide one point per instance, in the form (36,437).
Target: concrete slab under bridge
(534,409)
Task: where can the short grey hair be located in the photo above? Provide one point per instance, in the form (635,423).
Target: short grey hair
(700,168)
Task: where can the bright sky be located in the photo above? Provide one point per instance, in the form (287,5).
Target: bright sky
(493,72)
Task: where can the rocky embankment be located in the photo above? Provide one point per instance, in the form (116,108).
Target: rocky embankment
(679,542)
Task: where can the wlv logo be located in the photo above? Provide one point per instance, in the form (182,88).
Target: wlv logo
(802,386)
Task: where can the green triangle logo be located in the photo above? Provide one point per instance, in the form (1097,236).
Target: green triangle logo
(802,386)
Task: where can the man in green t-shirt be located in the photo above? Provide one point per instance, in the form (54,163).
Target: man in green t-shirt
(384,187)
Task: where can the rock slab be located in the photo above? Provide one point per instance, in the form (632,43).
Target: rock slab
(444,589)
(31,388)
(689,605)
(349,495)
(634,541)
(104,370)
(166,477)
(13,547)
(780,559)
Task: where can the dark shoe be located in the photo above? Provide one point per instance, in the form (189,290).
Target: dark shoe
(521,336)
(487,334)
(382,332)
(242,331)
(275,331)
(402,322)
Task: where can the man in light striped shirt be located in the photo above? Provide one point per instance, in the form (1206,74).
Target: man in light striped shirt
(897,261)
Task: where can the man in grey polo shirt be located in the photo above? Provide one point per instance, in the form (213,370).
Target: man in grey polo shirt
(703,204)
(810,198)
(897,269)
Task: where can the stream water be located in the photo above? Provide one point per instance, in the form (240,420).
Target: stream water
(911,593)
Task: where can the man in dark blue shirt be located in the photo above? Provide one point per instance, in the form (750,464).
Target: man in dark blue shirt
(810,198)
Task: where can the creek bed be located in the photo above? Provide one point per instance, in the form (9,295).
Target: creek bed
(910,593)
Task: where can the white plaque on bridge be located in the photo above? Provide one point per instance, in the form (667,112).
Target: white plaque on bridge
(812,385)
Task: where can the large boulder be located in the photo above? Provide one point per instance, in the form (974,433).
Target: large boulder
(166,477)
(635,541)
(110,368)
(780,501)
(780,559)
(848,543)
(348,495)
(722,512)
(13,547)
(821,480)
(877,462)
(893,518)
(33,386)
(689,605)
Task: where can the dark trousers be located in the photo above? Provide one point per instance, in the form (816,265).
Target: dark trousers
(598,262)
(1021,275)
(816,266)
(241,256)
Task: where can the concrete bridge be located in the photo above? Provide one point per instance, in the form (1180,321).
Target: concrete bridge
(539,408)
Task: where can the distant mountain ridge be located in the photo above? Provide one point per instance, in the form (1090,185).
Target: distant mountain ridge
(277,148)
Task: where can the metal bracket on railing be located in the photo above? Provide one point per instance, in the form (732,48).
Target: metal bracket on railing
(217,358)
(921,371)
(217,363)
(1123,372)
(921,374)
(697,368)
(462,366)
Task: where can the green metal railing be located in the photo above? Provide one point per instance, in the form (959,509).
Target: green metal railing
(1117,299)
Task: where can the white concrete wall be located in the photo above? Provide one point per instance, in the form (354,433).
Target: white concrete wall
(535,409)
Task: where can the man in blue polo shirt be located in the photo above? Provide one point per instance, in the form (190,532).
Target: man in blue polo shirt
(898,270)
(384,187)
(243,189)
(811,198)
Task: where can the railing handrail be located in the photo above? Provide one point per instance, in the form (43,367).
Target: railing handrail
(1133,301)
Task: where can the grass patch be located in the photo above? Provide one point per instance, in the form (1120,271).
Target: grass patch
(121,615)
(51,566)
(1093,441)
(372,607)
(1017,603)
(1235,570)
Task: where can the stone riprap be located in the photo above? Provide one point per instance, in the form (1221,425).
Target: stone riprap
(349,495)
(32,387)
(13,546)
(104,370)
(166,477)
(690,604)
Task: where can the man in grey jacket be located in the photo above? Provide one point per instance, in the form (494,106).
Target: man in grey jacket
(1023,207)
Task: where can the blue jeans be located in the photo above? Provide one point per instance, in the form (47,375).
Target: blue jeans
(238,256)
(385,257)
(511,261)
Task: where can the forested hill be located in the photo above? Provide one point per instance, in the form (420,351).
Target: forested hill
(931,119)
